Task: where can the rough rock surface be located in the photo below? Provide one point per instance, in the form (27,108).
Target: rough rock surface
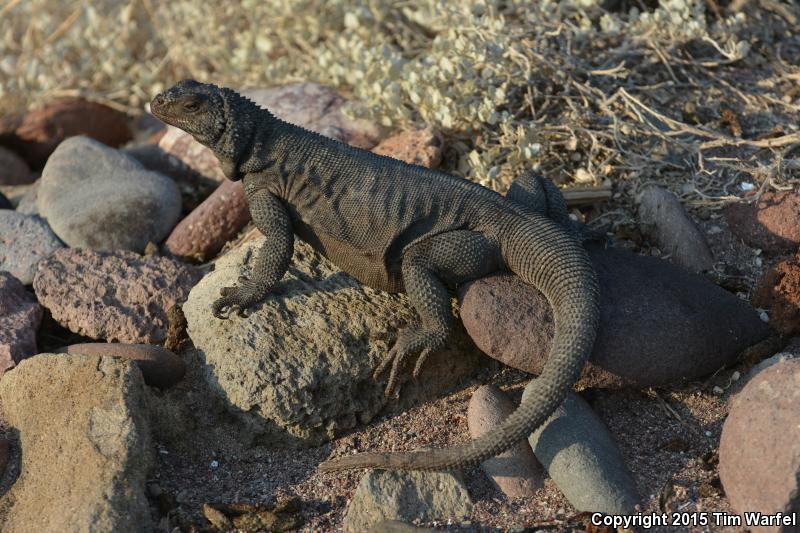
(205,230)
(35,134)
(659,324)
(515,472)
(407,496)
(419,147)
(13,169)
(96,197)
(85,443)
(665,221)
(20,316)
(160,367)
(771,224)
(759,453)
(116,296)
(779,293)
(582,458)
(298,370)
(24,241)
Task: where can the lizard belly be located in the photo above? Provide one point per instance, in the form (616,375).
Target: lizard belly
(368,268)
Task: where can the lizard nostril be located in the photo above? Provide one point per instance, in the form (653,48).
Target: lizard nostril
(158,100)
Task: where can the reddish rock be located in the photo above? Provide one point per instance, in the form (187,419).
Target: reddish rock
(13,169)
(659,324)
(203,233)
(20,316)
(116,296)
(759,452)
(771,224)
(779,293)
(34,135)
(515,472)
(418,147)
(160,367)
(202,160)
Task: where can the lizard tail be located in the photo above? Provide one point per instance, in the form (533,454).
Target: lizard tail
(543,254)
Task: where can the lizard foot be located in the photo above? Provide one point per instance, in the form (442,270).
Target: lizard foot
(411,341)
(235,299)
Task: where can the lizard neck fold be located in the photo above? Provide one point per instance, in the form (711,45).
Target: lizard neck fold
(247,134)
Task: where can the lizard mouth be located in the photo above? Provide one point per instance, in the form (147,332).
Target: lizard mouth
(158,107)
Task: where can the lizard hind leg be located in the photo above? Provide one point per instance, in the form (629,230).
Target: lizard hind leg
(428,266)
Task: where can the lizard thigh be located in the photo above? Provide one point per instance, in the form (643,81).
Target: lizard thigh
(455,256)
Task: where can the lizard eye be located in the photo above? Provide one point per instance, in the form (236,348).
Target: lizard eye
(191,105)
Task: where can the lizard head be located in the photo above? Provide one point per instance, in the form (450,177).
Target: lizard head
(196,108)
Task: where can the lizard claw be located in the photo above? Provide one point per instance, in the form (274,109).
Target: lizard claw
(409,342)
(234,299)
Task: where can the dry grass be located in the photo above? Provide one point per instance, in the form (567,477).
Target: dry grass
(700,95)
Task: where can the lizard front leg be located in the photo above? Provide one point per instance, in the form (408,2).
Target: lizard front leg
(272,260)
(452,257)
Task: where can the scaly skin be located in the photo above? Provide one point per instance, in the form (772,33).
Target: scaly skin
(398,227)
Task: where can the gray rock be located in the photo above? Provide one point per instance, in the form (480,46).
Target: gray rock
(96,197)
(579,453)
(664,220)
(20,316)
(515,472)
(115,296)
(407,496)
(298,370)
(759,452)
(85,443)
(25,240)
(659,325)
(28,202)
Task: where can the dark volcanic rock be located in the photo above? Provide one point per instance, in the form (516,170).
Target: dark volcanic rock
(659,324)
(34,135)
(771,224)
(759,452)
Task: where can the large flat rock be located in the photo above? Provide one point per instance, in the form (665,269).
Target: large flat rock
(85,442)
(298,370)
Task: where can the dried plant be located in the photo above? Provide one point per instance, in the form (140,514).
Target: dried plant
(590,92)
